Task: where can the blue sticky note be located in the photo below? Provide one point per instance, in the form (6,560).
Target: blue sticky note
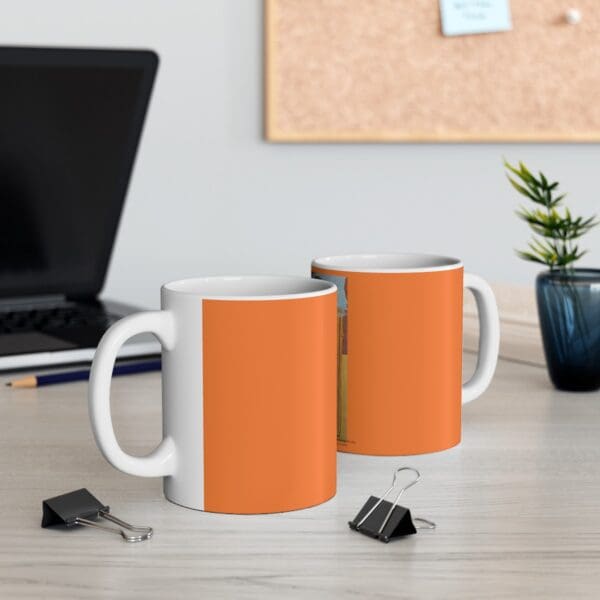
(463,17)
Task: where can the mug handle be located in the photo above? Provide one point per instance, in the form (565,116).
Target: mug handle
(489,337)
(162,460)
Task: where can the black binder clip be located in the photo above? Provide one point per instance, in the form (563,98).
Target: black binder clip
(81,508)
(383,520)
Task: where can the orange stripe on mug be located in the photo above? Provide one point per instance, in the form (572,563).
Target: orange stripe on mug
(269,371)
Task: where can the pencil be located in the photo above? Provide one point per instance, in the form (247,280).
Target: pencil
(34,381)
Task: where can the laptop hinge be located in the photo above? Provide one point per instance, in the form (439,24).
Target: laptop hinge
(25,302)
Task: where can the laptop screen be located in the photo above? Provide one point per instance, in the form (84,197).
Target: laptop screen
(70,121)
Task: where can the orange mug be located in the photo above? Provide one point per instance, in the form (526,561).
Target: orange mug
(400,318)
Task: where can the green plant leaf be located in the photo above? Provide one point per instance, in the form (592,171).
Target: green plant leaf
(525,192)
(529,256)
(523,174)
(526,175)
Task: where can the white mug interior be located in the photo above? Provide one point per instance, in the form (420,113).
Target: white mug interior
(387,263)
(251,287)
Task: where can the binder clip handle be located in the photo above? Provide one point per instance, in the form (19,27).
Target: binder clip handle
(427,524)
(138,534)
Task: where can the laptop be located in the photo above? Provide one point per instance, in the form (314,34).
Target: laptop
(70,124)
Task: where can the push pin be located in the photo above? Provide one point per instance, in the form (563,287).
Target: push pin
(383,520)
(81,508)
(573,16)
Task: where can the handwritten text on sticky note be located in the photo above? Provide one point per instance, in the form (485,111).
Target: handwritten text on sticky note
(463,17)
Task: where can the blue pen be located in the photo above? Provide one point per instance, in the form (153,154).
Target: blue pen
(83,375)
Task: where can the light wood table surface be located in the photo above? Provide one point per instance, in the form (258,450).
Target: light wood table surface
(517,506)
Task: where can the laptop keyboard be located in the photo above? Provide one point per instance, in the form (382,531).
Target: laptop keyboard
(56,318)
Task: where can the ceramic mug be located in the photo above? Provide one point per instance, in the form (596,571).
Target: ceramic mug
(249,388)
(400,350)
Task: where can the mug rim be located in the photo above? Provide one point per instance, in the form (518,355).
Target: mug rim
(187,287)
(351,262)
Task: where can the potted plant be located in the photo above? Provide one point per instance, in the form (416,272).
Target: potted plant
(568,298)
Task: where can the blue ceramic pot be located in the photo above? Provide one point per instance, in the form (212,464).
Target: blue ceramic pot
(569,310)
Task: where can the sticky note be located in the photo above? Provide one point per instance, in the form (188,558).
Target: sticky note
(464,17)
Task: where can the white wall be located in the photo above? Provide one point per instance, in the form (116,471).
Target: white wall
(210,196)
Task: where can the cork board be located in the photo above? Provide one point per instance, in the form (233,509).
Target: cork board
(381,70)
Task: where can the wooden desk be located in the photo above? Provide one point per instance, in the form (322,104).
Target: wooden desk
(517,506)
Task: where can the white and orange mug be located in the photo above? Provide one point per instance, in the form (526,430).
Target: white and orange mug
(249,389)
(400,350)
